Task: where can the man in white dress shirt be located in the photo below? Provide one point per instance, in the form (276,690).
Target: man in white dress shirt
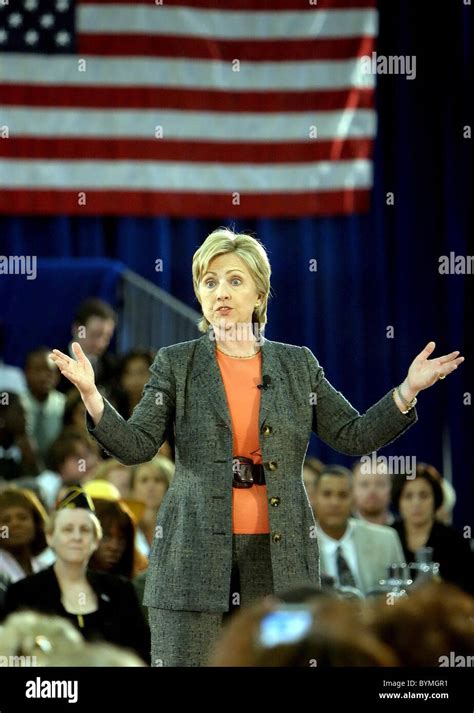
(43,404)
(353,552)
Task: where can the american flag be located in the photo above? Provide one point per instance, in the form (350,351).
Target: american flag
(186,107)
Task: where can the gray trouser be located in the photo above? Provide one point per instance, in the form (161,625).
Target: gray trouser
(185,638)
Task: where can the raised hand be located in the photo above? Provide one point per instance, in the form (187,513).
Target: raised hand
(424,372)
(79,371)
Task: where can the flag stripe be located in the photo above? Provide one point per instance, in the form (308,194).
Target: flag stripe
(248,5)
(108,45)
(277,205)
(113,72)
(176,176)
(189,151)
(217,25)
(197,125)
(185,99)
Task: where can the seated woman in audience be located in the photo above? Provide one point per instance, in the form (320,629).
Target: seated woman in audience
(22,538)
(101,606)
(116,553)
(150,483)
(133,374)
(417,501)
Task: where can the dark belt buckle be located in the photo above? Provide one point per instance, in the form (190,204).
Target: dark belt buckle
(242,469)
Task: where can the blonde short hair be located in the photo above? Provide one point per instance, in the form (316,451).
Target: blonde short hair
(250,250)
(97,527)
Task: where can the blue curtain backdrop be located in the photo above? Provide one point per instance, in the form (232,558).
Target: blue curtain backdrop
(374,271)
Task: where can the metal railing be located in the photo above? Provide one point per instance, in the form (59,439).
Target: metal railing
(150,318)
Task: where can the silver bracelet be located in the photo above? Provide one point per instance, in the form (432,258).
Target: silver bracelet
(409,404)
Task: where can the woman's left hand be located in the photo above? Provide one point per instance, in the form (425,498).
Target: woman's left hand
(424,372)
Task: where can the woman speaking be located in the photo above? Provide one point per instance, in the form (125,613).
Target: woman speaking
(236,523)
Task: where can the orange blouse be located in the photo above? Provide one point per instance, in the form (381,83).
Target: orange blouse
(240,377)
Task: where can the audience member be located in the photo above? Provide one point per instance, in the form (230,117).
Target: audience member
(93,327)
(43,404)
(116,553)
(312,467)
(116,473)
(18,456)
(71,459)
(101,606)
(417,501)
(353,552)
(32,639)
(22,534)
(133,374)
(430,627)
(12,379)
(372,493)
(150,482)
(323,633)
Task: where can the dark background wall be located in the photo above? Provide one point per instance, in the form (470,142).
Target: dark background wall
(374,271)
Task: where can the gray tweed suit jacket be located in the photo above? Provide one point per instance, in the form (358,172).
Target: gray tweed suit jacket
(191,556)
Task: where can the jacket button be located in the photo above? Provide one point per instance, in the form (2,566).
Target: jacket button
(267,430)
(274,502)
(272,465)
(276,537)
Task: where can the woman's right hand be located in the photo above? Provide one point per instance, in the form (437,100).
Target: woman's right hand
(79,371)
